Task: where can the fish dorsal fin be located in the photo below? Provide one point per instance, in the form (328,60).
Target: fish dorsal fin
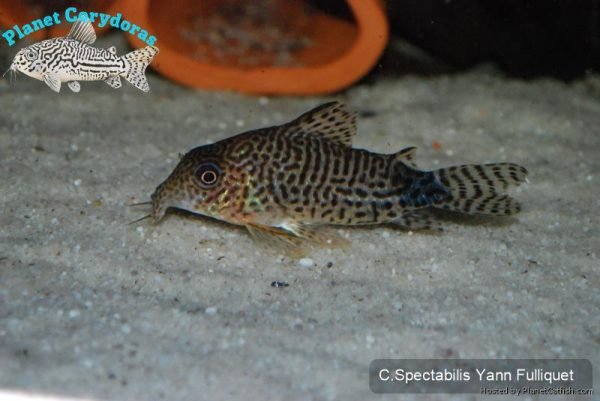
(83,32)
(330,120)
(407,155)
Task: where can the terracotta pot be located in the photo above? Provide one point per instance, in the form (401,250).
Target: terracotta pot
(20,12)
(261,46)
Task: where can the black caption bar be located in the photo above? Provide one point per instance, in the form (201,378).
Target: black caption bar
(482,376)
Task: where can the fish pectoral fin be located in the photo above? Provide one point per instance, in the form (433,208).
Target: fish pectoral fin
(52,81)
(114,82)
(74,86)
(83,32)
(330,120)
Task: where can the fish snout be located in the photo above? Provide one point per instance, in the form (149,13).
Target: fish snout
(159,208)
(174,193)
(16,65)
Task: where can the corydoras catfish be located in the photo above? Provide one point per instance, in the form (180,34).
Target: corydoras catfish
(287,182)
(71,59)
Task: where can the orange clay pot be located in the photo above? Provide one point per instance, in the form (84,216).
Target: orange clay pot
(298,50)
(20,12)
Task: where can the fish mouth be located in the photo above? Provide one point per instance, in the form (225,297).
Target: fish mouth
(165,198)
(158,208)
(162,199)
(11,69)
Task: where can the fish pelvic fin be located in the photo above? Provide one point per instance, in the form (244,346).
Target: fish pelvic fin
(136,63)
(83,32)
(315,234)
(74,86)
(481,188)
(295,238)
(278,238)
(331,120)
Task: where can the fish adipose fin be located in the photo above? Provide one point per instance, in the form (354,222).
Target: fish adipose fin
(83,32)
(480,188)
(74,86)
(52,81)
(331,120)
(114,82)
(136,63)
(407,156)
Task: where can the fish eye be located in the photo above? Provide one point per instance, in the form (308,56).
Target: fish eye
(207,174)
(30,54)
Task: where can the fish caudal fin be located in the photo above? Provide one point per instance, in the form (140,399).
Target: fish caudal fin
(136,63)
(480,188)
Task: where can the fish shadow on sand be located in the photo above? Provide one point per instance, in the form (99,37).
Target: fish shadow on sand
(201,219)
(446,218)
(471,220)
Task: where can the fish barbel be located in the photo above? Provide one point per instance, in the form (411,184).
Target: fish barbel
(71,59)
(286,182)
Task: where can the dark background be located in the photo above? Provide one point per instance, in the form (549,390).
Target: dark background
(525,38)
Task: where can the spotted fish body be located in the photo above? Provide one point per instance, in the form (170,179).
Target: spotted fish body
(71,59)
(288,181)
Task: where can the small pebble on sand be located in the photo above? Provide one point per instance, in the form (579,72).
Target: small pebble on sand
(211,310)
(306,262)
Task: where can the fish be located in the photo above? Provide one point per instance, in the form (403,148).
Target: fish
(71,59)
(288,184)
